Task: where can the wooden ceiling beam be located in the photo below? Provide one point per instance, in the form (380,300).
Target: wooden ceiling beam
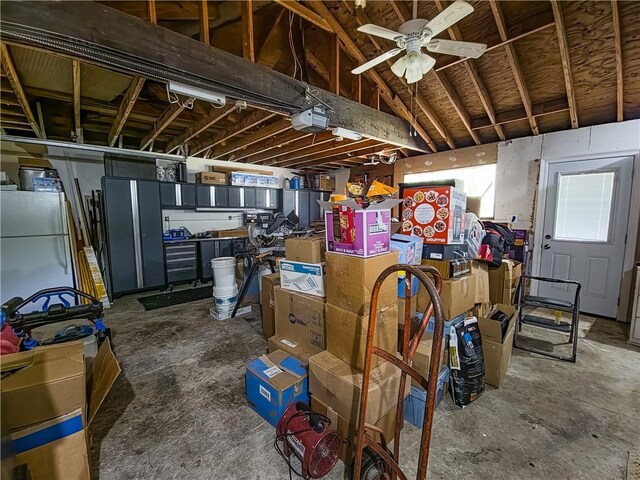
(476,80)
(76,100)
(248,43)
(566,62)
(305,13)
(215,115)
(152,13)
(263,57)
(130,97)
(247,122)
(519,114)
(530,26)
(12,75)
(276,141)
(97,26)
(363,149)
(457,105)
(617,36)
(343,150)
(294,147)
(394,102)
(203,18)
(279,126)
(334,70)
(315,63)
(514,64)
(403,15)
(168,116)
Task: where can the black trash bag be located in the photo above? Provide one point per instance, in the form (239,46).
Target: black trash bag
(498,239)
(466,362)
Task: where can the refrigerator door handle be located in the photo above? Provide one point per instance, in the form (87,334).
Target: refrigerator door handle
(137,245)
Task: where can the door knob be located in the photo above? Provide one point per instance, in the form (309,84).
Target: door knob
(547,246)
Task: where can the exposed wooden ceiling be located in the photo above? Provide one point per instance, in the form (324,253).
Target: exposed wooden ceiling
(550,66)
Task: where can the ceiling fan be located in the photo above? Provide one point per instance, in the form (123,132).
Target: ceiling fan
(418,33)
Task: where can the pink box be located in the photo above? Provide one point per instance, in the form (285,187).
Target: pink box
(353,230)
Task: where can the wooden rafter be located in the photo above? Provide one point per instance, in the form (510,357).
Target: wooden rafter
(275,142)
(340,148)
(566,62)
(476,80)
(519,114)
(529,26)
(214,116)
(318,143)
(264,51)
(168,116)
(295,147)
(514,64)
(457,105)
(403,16)
(617,36)
(356,149)
(356,88)
(12,74)
(394,102)
(203,16)
(248,43)
(315,63)
(275,128)
(152,14)
(334,70)
(76,100)
(305,13)
(247,122)
(130,97)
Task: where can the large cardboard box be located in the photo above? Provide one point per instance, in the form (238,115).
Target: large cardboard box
(49,401)
(422,357)
(291,347)
(211,178)
(457,296)
(275,381)
(496,349)
(300,318)
(327,183)
(338,384)
(481,271)
(302,277)
(350,281)
(435,213)
(413,308)
(349,430)
(347,333)
(352,230)
(307,250)
(503,281)
(269,282)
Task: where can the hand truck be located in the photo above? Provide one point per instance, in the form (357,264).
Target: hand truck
(369,453)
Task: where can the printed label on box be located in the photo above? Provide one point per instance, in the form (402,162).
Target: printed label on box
(289,344)
(272,371)
(264,392)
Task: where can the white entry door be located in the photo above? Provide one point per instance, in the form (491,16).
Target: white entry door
(585,225)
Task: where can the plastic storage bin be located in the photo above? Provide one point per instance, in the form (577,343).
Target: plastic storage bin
(415,403)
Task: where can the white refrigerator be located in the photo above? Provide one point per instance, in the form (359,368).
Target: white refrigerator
(35,249)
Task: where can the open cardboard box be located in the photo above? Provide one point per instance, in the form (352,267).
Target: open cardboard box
(495,349)
(353,230)
(49,400)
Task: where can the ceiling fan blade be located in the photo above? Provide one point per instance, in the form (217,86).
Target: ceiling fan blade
(426,62)
(400,66)
(375,61)
(453,47)
(450,15)
(379,31)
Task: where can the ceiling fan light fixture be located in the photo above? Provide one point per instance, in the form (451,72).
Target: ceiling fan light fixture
(399,66)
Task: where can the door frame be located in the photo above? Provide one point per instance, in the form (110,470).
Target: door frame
(632,223)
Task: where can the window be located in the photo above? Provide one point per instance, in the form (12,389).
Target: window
(477,181)
(583,207)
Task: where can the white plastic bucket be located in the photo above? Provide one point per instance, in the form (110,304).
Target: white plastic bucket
(224,271)
(225,298)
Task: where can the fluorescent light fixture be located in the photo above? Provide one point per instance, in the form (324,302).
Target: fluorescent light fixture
(196,92)
(345,133)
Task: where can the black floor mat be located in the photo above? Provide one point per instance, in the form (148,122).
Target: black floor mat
(153,302)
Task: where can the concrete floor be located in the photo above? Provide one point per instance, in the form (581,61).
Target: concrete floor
(178,410)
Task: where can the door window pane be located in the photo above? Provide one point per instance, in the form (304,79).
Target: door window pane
(583,207)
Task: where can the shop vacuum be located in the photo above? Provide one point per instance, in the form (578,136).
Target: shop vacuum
(305,435)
